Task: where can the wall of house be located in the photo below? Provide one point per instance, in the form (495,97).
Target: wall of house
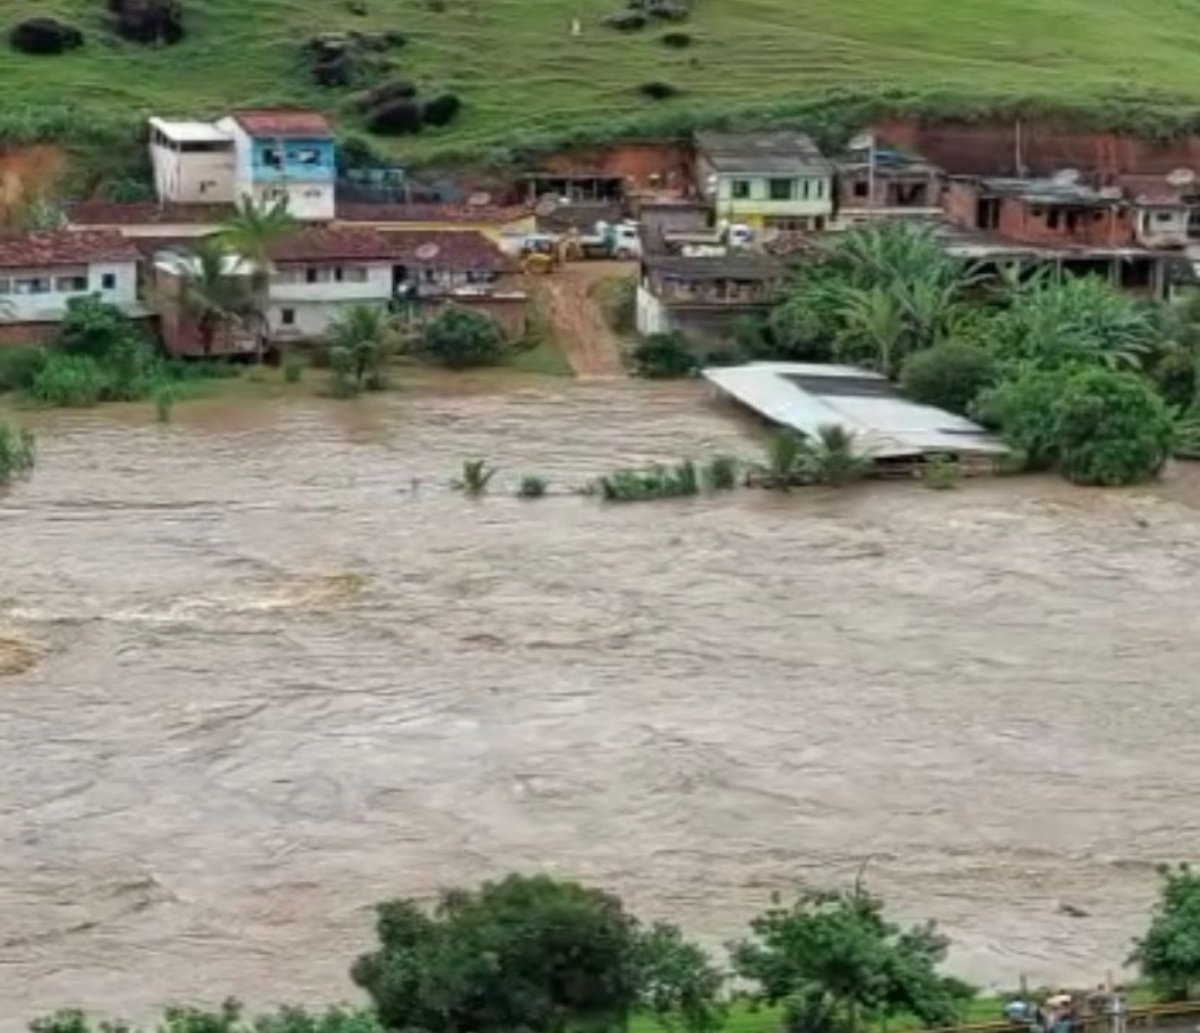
(51,305)
(26,333)
(652,314)
(1041,224)
(309,189)
(310,319)
(1162,226)
(290,282)
(960,202)
(812,198)
(194,177)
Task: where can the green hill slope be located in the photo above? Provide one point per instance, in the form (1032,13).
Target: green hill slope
(522,75)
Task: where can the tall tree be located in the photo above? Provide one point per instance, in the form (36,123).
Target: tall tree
(836,963)
(213,293)
(1169,952)
(531,954)
(251,232)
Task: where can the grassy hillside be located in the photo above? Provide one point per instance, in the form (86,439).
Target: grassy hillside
(522,76)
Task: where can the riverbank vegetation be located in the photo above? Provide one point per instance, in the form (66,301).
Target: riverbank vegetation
(546,955)
(16,452)
(1074,375)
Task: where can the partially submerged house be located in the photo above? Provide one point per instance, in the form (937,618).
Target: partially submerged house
(887,426)
(771,181)
(704,297)
(41,272)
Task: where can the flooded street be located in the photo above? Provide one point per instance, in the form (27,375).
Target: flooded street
(265,670)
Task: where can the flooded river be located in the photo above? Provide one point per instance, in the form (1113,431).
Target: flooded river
(263,670)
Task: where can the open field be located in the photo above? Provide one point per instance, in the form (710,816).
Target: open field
(524,78)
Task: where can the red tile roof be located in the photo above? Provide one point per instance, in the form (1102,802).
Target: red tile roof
(145,213)
(283,122)
(42,250)
(1155,189)
(317,244)
(390,213)
(447,249)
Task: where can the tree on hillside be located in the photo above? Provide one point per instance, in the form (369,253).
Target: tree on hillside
(212,294)
(531,954)
(1169,952)
(251,232)
(836,964)
(228,1018)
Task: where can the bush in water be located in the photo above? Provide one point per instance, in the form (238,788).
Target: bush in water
(20,365)
(16,452)
(664,357)
(949,376)
(460,337)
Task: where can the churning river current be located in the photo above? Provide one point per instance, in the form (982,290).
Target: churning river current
(262,669)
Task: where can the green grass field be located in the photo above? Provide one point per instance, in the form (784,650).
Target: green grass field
(524,78)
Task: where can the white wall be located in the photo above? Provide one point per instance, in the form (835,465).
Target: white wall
(52,305)
(1159,227)
(819,199)
(193,177)
(310,319)
(290,282)
(652,315)
(309,202)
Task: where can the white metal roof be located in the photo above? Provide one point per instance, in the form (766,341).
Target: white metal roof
(190,132)
(884,423)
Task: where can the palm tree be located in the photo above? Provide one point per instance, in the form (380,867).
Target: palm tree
(360,342)
(251,232)
(212,293)
(836,457)
(874,318)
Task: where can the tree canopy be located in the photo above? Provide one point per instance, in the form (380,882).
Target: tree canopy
(835,962)
(1168,954)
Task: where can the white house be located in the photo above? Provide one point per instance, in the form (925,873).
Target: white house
(284,152)
(41,272)
(194,162)
(318,273)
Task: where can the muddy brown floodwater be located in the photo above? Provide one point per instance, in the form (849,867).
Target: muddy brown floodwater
(261,682)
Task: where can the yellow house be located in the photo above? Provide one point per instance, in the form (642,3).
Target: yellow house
(769,181)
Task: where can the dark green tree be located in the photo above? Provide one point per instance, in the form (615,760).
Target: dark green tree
(460,337)
(949,375)
(530,954)
(1169,952)
(836,963)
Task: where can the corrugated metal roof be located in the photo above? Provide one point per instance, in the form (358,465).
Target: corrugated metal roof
(884,423)
(768,152)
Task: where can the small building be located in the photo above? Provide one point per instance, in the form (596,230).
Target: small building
(193,162)
(888,427)
(285,153)
(703,297)
(770,181)
(878,181)
(1042,211)
(41,272)
(1162,210)
(438,263)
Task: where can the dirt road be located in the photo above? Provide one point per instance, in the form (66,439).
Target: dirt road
(592,349)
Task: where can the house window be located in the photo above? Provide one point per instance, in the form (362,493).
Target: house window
(32,285)
(70,284)
(338,274)
(1052,218)
(312,193)
(5,287)
(356,274)
(108,281)
(861,188)
(287,316)
(310,275)
(804,183)
(781,189)
(1162,216)
(740,189)
(820,189)
(272,157)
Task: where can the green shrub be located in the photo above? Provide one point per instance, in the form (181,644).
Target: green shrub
(476,476)
(531,487)
(942,472)
(20,365)
(441,110)
(1111,428)
(835,457)
(652,482)
(16,452)
(460,338)
(617,297)
(658,90)
(92,327)
(664,357)
(70,381)
(720,473)
(1022,409)
(949,376)
(676,40)
(293,368)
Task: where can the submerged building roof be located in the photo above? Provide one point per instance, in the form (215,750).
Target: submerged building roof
(808,396)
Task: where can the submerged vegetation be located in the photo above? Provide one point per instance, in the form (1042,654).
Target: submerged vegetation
(17,452)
